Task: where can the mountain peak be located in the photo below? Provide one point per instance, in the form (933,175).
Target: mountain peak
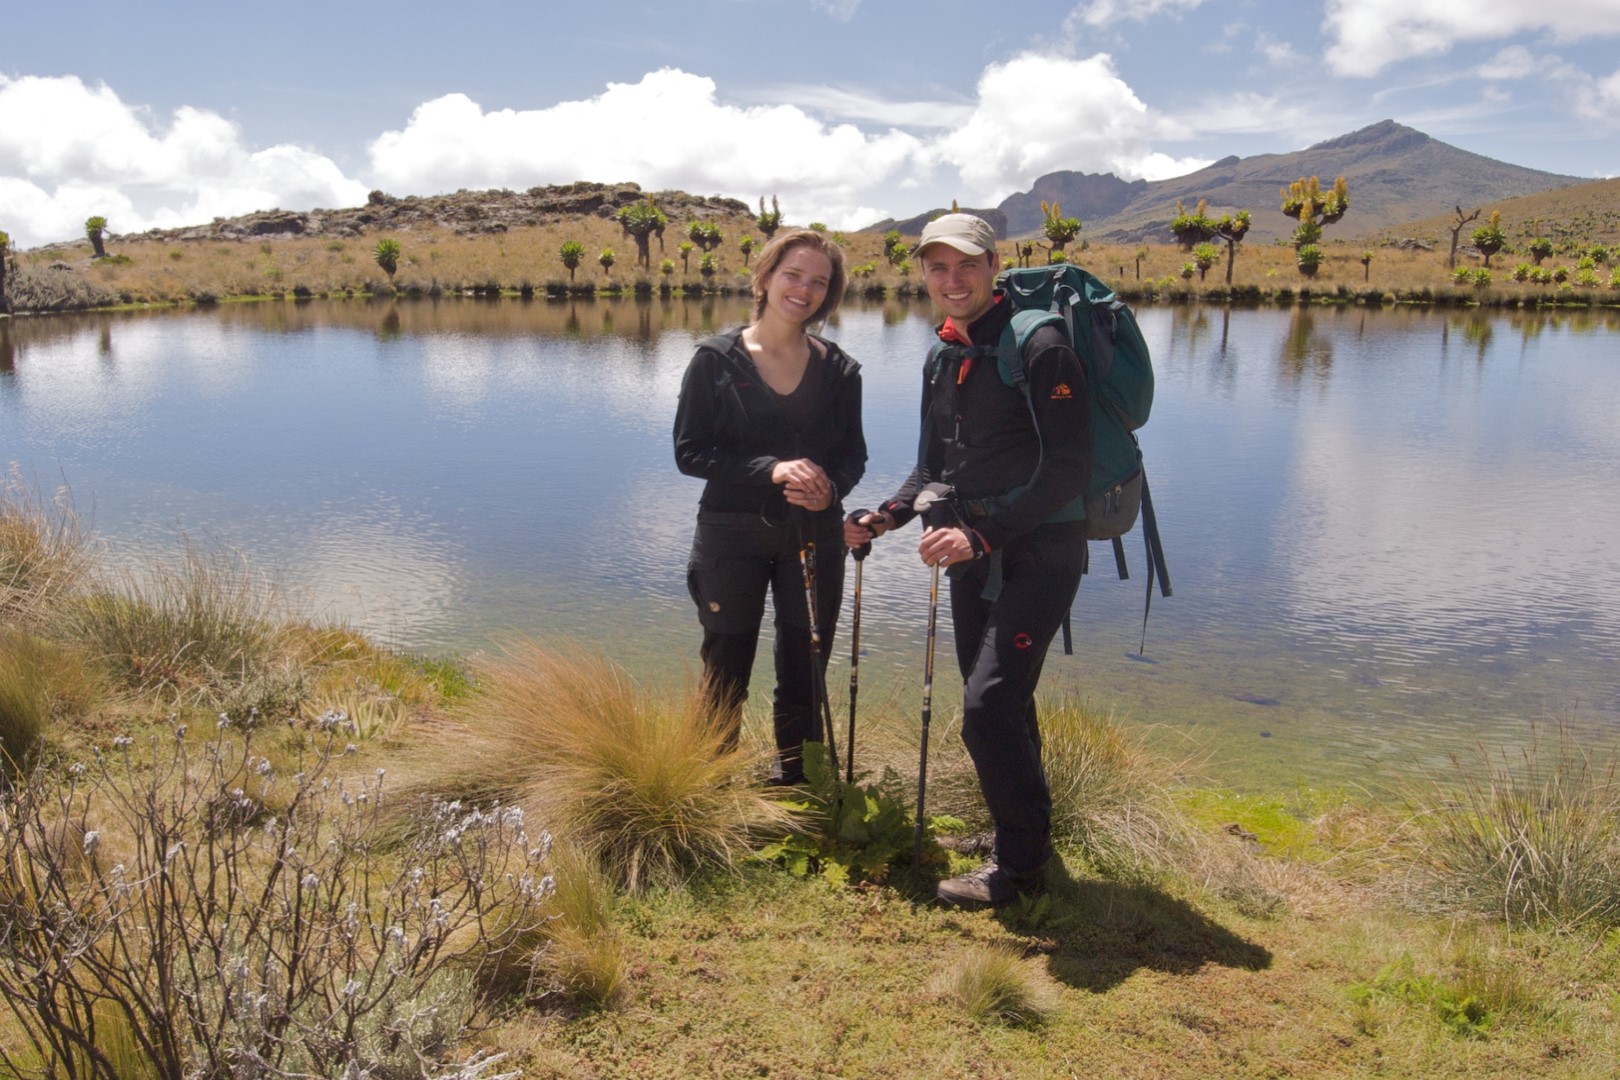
(1386,136)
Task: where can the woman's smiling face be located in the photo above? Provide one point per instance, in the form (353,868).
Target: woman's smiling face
(798,286)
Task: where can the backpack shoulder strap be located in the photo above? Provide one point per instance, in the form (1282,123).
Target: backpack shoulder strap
(1015,338)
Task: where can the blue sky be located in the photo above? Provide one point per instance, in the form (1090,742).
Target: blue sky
(848,110)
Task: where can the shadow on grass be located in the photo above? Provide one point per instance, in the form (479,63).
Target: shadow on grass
(1099,932)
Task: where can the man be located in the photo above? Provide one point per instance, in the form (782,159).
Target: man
(1014,465)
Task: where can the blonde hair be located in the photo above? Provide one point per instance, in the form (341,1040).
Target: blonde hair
(775,251)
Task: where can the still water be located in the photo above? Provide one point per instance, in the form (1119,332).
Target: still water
(1391,533)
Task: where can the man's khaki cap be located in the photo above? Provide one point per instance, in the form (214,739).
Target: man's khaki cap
(968,234)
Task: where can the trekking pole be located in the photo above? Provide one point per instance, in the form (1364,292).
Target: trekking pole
(818,675)
(929,503)
(860,554)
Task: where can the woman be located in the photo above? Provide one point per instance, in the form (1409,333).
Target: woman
(770,417)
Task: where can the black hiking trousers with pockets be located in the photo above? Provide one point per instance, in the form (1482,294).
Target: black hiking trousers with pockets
(1000,648)
(736,560)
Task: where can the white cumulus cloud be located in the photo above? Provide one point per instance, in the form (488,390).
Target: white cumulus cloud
(68,151)
(666,131)
(1005,145)
(1599,99)
(1369,35)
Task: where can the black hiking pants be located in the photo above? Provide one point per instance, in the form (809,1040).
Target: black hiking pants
(738,558)
(1000,647)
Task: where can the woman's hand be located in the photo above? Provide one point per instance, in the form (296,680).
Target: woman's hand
(804,483)
(866,529)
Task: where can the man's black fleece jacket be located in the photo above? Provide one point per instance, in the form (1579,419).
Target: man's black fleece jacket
(979,437)
(731,432)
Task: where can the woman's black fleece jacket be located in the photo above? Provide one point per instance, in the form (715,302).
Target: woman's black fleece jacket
(730,431)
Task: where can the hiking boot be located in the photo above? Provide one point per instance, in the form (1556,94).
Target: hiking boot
(988,886)
(981,844)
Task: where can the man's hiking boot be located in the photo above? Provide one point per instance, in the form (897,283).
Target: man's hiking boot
(988,886)
(981,844)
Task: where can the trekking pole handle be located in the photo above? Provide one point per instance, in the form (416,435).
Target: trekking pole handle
(854,518)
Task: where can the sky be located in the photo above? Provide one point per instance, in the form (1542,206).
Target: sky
(849,111)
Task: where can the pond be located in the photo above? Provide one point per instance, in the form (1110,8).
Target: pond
(1390,532)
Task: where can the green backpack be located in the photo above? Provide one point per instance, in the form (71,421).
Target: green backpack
(1119,370)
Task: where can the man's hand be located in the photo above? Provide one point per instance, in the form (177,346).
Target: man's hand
(942,547)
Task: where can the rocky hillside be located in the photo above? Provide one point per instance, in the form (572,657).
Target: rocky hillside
(465,212)
(1396,174)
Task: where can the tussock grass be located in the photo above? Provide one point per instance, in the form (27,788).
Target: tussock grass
(202,627)
(25,707)
(45,556)
(40,681)
(1111,796)
(584,951)
(993,982)
(1531,837)
(642,781)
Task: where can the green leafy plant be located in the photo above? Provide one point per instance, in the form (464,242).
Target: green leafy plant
(768,221)
(640,221)
(387,254)
(607,258)
(847,832)
(709,265)
(1204,256)
(746,245)
(1191,229)
(572,253)
(1309,259)
(95,229)
(1489,238)
(1306,202)
(1059,230)
(1460,1012)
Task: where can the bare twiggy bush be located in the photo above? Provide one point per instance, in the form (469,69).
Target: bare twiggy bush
(54,287)
(995,983)
(205,937)
(1531,838)
(642,781)
(45,556)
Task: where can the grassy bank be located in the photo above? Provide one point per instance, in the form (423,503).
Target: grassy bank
(435,261)
(535,865)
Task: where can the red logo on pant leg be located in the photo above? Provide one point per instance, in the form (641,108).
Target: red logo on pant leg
(1023,641)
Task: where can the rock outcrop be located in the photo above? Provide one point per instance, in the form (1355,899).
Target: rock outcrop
(465,212)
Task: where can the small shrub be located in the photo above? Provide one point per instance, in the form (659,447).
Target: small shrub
(848,832)
(993,983)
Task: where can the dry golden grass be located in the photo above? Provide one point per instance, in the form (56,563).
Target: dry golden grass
(642,781)
(525,259)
